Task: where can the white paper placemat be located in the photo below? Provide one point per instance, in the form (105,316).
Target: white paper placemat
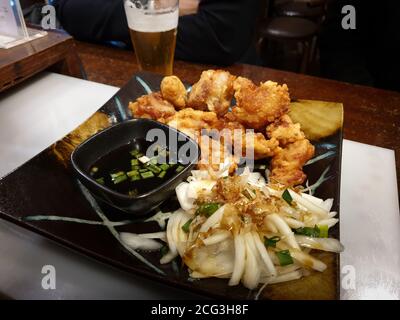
(370,222)
(42,110)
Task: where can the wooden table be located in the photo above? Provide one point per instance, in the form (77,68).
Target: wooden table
(372,115)
(55,51)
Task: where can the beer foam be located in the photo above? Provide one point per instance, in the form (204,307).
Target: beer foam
(150,20)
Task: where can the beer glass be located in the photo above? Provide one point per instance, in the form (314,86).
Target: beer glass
(153,27)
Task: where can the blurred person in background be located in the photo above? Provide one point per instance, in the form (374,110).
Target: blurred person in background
(209,31)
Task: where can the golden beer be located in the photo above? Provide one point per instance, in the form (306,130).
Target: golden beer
(155,50)
(153,27)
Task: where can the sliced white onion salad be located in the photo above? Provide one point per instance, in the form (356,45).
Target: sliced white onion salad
(325,244)
(213,220)
(257,233)
(144,241)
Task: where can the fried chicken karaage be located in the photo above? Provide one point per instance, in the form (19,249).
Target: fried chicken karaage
(152,106)
(214,154)
(285,131)
(191,121)
(258,126)
(287,164)
(259,146)
(294,151)
(213,92)
(173,90)
(246,142)
(258,106)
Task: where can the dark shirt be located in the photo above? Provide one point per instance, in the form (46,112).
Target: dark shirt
(222,32)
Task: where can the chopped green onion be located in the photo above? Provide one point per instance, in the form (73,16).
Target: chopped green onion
(132,173)
(308,231)
(323,231)
(153,161)
(162,174)
(120,179)
(135,167)
(135,178)
(151,169)
(207,209)
(180,168)
(143,170)
(100,180)
(154,168)
(146,175)
(284,257)
(134,152)
(134,162)
(117,174)
(271,242)
(287,197)
(186,226)
(164,167)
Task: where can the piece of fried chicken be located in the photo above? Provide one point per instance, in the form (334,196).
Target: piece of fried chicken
(173,90)
(258,146)
(213,92)
(215,155)
(191,121)
(245,142)
(257,106)
(152,106)
(287,164)
(285,131)
(213,151)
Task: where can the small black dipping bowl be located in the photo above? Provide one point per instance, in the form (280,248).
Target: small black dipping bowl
(100,144)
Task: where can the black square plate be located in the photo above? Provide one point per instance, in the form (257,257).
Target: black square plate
(46,185)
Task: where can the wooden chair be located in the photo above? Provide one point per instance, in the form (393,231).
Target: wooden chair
(314,10)
(291,29)
(310,9)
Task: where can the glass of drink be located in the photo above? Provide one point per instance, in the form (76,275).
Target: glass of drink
(153,27)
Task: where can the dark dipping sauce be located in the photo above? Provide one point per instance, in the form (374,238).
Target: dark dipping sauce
(122,170)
